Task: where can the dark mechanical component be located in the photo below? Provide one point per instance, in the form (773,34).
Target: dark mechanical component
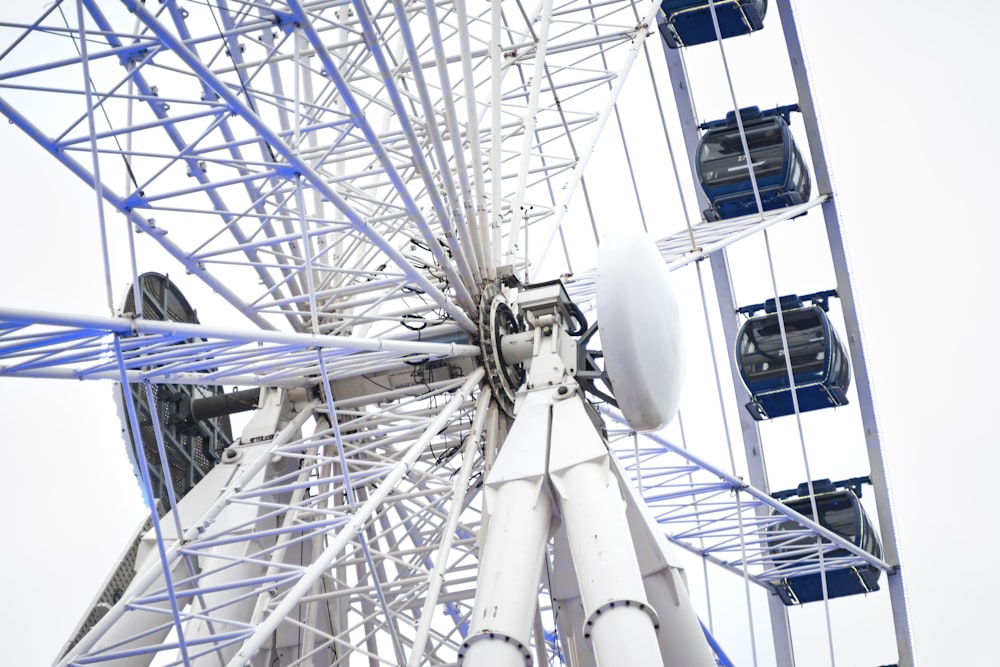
(218,405)
(193,446)
(496,319)
(589,371)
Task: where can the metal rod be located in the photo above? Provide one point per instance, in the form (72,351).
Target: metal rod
(530,119)
(435,578)
(548,232)
(295,163)
(324,560)
(146,578)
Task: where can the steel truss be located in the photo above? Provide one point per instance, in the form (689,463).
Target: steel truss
(348,178)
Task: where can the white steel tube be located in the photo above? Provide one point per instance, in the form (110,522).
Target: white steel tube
(606,566)
(492,444)
(464,223)
(496,155)
(307,254)
(480,240)
(519,516)
(509,571)
(620,621)
(548,232)
(462,294)
(538,75)
(681,637)
(127,326)
(541,655)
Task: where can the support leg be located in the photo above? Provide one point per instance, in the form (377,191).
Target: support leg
(620,621)
(520,512)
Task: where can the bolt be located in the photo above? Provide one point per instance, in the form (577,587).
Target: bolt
(563,390)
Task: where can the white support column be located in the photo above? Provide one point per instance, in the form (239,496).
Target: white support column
(620,621)
(520,512)
(608,550)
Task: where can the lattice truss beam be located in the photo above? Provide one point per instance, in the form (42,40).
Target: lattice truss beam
(303,500)
(40,344)
(719,517)
(37,344)
(352,160)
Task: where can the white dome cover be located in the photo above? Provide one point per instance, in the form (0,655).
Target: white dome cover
(640,329)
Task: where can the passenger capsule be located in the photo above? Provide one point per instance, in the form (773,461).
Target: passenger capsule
(820,366)
(782,176)
(840,511)
(689,22)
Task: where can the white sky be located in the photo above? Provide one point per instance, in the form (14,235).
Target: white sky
(905,96)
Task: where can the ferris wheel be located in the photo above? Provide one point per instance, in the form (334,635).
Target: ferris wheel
(437,256)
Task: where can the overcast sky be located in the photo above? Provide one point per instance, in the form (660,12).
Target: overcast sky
(905,95)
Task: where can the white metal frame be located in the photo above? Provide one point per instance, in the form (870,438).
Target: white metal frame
(347,177)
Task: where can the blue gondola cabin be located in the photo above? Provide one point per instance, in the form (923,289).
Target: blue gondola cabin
(840,511)
(781,173)
(689,22)
(820,366)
